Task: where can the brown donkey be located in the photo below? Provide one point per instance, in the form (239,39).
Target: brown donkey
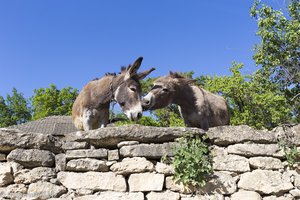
(91,108)
(198,107)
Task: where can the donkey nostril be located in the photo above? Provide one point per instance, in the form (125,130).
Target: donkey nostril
(146,102)
(139,115)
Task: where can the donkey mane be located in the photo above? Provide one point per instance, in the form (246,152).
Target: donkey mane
(183,79)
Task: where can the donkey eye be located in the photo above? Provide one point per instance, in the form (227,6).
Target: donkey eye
(165,89)
(122,104)
(156,87)
(133,89)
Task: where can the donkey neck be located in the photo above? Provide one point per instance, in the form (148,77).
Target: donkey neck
(184,96)
(116,81)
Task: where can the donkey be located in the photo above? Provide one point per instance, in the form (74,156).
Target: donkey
(91,107)
(198,107)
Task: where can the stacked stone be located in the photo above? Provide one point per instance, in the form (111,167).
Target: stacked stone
(119,163)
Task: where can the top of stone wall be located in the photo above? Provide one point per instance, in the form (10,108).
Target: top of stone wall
(109,137)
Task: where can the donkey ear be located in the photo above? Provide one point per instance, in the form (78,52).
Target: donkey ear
(132,70)
(142,75)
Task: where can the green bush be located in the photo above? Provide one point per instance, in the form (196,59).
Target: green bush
(192,160)
(290,151)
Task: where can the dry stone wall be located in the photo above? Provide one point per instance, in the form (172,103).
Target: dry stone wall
(124,163)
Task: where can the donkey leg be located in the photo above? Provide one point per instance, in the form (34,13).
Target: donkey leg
(204,124)
(87,120)
(104,118)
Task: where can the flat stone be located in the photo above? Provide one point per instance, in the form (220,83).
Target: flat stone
(31,158)
(252,150)
(168,195)
(11,139)
(6,176)
(232,163)
(278,198)
(113,155)
(170,184)
(126,143)
(16,167)
(219,183)
(2,157)
(45,190)
(14,191)
(265,182)
(152,151)
(268,163)
(145,182)
(113,196)
(163,168)
(245,195)
(86,153)
(75,145)
(111,136)
(203,197)
(226,135)
(132,165)
(297,181)
(95,181)
(295,192)
(27,176)
(288,134)
(87,164)
(60,162)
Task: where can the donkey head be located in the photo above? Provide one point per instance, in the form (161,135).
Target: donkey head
(128,93)
(161,94)
(167,90)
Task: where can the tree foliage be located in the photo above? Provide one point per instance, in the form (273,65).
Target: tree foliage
(52,101)
(253,99)
(18,106)
(5,119)
(279,50)
(14,110)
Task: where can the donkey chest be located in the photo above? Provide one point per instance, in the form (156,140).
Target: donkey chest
(191,116)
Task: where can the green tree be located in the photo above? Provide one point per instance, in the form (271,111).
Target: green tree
(5,119)
(52,101)
(253,99)
(279,50)
(18,107)
(14,110)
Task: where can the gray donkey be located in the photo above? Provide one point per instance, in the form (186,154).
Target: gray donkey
(198,107)
(91,107)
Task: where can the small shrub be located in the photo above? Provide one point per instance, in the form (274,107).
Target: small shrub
(192,160)
(291,152)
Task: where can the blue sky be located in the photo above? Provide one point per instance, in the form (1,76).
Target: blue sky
(68,43)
